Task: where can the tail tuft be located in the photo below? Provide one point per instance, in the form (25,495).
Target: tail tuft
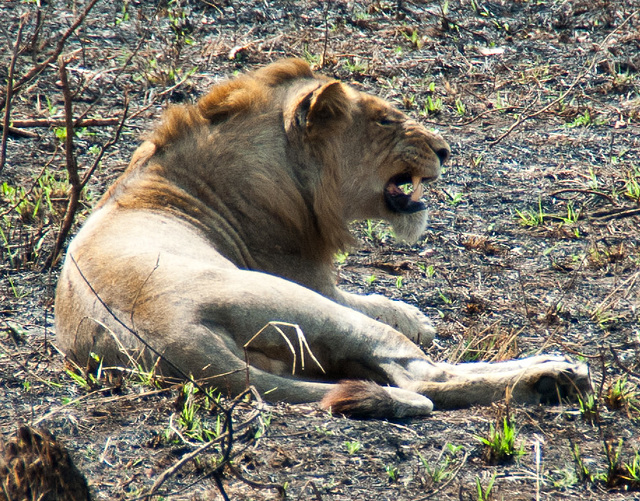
(366,399)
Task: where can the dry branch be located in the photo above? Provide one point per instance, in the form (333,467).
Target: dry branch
(53,122)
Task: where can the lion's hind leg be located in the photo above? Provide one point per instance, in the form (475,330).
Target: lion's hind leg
(540,379)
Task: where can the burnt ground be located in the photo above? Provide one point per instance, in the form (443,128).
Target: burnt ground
(533,245)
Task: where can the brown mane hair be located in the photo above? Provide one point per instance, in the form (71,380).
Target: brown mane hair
(224,100)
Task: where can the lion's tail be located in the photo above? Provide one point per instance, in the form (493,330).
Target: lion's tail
(366,399)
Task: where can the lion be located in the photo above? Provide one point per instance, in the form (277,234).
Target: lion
(212,255)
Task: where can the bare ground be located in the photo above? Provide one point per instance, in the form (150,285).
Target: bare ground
(533,245)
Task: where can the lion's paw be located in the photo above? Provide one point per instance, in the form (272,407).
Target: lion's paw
(552,380)
(410,321)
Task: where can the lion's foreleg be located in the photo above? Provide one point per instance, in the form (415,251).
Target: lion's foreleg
(403,317)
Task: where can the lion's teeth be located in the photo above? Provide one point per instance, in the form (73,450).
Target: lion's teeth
(418,189)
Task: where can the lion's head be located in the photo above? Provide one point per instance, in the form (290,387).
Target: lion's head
(303,149)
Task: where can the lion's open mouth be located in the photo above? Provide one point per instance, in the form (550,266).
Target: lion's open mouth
(403,194)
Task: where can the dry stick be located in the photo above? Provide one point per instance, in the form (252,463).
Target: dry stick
(587,192)
(9,97)
(220,438)
(619,363)
(52,122)
(72,166)
(563,96)
(72,205)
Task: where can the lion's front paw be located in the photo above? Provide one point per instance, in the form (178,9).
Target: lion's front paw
(410,321)
(552,381)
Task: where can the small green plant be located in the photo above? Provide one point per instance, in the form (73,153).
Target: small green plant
(632,472)
(532,218)
(427,270)
(375,231)
(442,468)
(622,394)
(309,57)
(414,38)
(572,214)
(445,299)
(476,161)
(500,445)
(370,279)
(399,281)
(484,493)
(341,257)
(460,107)
(192,405)
(355,65)
(456,199)
(589,408)
(632,186)
(353,446)
(583,120)
(431,106)
(392,472)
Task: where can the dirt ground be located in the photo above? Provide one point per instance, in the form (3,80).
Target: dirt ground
(533,244)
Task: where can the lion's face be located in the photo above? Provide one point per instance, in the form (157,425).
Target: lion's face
(398,156)
(384,157)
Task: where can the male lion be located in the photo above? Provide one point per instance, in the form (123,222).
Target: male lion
(227,219)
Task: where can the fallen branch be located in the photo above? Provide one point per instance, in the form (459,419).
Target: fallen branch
(55,122)
(588,192)
(77,184)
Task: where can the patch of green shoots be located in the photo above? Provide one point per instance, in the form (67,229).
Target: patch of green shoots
(500,445)
(532,218)
(353,447)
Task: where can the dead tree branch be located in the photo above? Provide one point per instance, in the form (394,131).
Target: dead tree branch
(53,122)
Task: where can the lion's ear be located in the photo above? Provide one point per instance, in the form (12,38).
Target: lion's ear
(326,110)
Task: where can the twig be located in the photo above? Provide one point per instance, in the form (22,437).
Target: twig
(621,365)
(326,33)
(13,131)
(615,214)
(588,192)
(53,122)
(71,164)
(9,97)
(164,476)
(77,184)
(601,307)
(563,96)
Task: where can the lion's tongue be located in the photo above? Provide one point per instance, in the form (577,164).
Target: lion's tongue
(418,189)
